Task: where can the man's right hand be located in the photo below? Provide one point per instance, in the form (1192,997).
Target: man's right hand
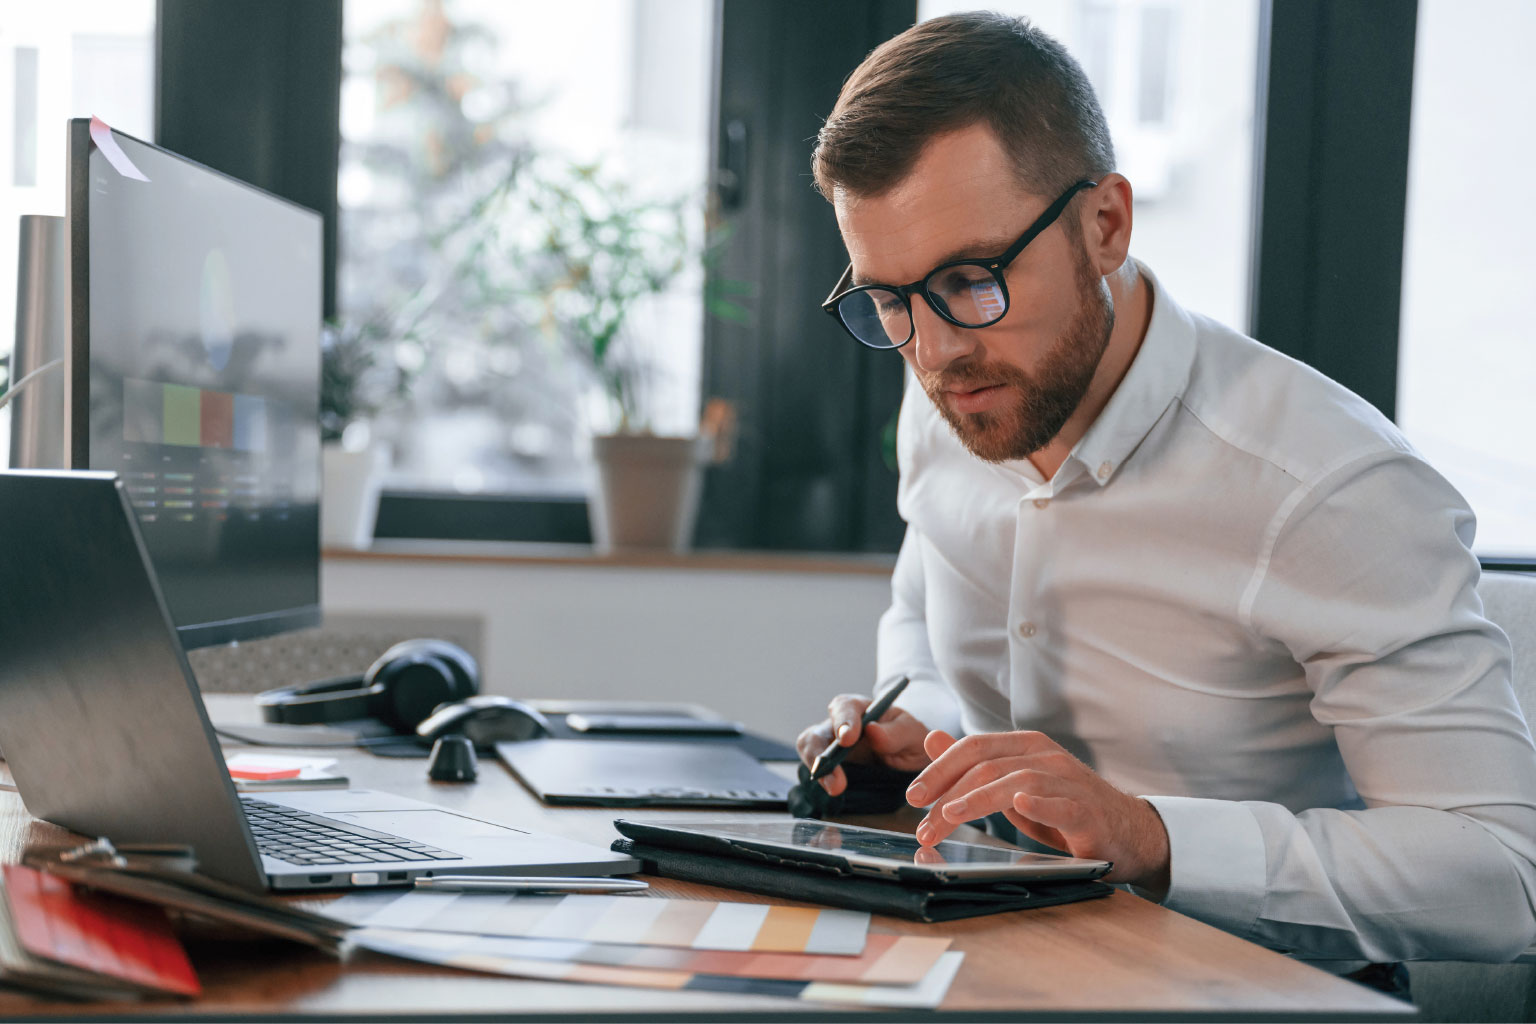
(897,739)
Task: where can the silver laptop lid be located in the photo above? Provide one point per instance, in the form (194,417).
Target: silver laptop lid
(100,717)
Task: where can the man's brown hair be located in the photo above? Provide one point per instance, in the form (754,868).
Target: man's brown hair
(953,72)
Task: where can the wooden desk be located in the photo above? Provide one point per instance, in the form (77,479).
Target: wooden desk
(1120,957)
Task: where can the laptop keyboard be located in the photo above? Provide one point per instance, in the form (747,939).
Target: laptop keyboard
(305,839)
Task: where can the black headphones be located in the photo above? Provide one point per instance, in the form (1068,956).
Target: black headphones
(400,689)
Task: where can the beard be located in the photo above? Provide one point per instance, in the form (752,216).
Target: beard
(1047,397)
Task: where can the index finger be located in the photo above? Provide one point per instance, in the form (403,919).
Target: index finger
(952,759)
(846,712)
(813,739)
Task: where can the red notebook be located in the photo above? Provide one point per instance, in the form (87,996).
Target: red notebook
(97,932)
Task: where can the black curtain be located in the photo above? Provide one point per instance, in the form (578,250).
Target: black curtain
(1335,96)
(811,471)
(253,88)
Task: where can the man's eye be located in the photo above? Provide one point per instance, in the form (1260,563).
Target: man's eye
(958,280)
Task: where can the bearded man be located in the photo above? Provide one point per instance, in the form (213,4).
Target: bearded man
(1194,608)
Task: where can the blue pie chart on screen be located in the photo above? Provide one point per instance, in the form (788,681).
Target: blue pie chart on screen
(216,309)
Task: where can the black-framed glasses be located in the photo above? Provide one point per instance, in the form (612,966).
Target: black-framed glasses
(967,293)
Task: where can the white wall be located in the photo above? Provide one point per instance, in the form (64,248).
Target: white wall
(767,648)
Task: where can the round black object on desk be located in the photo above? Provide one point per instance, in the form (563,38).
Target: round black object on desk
(453,760)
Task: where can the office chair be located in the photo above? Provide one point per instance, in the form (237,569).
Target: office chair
(1452,990)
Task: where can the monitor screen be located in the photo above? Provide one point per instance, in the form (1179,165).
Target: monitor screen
(195,374)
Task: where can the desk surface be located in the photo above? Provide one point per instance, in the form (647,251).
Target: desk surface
(1120,957)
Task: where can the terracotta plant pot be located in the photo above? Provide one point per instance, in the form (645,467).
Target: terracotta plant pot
(647,491)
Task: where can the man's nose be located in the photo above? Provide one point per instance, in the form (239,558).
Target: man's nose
(936,343)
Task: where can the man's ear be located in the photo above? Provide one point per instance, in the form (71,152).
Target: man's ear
(1106,219)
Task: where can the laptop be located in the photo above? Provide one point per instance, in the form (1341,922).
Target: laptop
(105,731)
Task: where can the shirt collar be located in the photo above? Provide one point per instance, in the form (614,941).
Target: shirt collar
(1157,376)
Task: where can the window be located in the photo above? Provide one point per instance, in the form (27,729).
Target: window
(1176,81)
(59,61)
(1466,363)
(451,113)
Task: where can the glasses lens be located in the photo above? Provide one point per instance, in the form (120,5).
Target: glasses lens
(876,316)
(969,293)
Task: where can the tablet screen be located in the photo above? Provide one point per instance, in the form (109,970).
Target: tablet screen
(888,845)
(866,844)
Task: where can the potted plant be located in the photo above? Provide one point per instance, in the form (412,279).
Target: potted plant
(357,378)
(602,250)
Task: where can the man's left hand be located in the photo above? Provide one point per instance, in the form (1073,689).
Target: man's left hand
(1048,795)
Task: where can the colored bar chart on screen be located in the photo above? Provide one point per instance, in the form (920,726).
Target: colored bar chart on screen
(181,415)
(217,426)
(155,412)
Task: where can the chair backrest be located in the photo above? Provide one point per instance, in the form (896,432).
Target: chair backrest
(1509,599)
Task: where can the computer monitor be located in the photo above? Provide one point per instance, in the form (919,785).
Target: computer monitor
(192,368)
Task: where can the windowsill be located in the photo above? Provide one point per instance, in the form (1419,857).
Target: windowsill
(533,553)
(490,552)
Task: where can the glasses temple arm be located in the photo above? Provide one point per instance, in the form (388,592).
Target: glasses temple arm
(1044,221)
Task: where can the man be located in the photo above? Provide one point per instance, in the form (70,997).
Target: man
(1194,608)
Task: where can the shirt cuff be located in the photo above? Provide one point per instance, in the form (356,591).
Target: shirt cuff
(1218,870)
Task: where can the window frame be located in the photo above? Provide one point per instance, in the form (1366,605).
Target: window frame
(253,87)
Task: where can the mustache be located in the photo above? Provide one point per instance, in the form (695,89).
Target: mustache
(972,378)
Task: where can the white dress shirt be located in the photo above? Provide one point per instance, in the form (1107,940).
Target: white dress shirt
(1247,598)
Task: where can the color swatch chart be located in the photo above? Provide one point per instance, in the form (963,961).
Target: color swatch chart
(902,971)
(886,960)
(621,920)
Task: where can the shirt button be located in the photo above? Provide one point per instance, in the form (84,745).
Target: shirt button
(1104,470)
(1042,502)
(1026,629)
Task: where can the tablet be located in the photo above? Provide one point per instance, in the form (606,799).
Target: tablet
(643,773)
(855,850)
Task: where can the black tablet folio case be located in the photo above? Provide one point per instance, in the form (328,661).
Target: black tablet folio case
(814,884)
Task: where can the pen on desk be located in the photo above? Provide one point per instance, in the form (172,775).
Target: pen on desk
(527,884)
(835,753)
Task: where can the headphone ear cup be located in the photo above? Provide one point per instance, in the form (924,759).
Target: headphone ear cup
(414,677)
(410,689)
(466,672)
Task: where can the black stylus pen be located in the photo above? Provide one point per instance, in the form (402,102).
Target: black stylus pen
(835,753)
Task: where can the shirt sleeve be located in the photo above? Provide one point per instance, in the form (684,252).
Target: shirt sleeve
(1369,584)
(902,645)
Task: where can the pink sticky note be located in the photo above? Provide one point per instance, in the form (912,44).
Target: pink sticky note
(102,136)
(263,774)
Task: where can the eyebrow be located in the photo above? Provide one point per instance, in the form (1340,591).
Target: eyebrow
(969,251)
